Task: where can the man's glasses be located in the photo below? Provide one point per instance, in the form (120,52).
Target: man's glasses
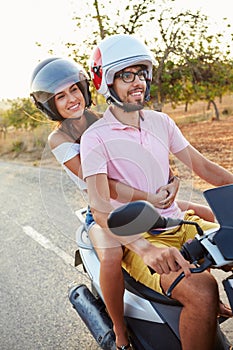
(129,77)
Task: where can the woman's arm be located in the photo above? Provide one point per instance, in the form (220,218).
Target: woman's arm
(74,165)
(124,193)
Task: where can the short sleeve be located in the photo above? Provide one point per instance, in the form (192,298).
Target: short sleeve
(66,151)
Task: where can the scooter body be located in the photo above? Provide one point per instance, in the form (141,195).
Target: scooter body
(152,319)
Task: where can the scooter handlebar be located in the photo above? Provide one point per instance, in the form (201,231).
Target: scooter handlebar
(140,216)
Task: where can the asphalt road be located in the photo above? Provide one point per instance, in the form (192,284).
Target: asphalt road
(37,234)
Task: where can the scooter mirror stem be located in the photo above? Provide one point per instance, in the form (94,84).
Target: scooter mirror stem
(198,228)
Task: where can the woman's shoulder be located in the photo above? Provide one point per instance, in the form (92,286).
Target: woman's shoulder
(57,137)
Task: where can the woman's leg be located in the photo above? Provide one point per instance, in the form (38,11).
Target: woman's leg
(203,211)
(110,254)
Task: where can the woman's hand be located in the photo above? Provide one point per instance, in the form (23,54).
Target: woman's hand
(159,199)
(165,195)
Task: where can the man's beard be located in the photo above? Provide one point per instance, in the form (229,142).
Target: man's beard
(130,107)
(126,106)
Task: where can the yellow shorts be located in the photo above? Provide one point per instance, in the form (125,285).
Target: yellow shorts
(135,266)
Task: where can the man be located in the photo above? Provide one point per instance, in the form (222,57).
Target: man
(132,145)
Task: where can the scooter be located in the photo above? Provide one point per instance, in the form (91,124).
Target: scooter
(152,319)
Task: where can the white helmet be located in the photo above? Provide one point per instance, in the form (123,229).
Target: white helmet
(113,54)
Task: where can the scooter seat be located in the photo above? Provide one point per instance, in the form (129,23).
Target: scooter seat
(145,292)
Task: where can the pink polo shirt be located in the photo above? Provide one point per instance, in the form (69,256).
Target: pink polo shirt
(137,157)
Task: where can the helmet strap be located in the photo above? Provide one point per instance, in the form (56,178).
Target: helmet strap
(85,90)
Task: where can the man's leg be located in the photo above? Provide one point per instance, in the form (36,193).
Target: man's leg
(200,298)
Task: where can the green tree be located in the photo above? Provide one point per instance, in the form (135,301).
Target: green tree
(179,42)
(184,38)
(23,114)
(4,123)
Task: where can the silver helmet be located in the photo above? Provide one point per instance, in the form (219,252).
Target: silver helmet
(50,75)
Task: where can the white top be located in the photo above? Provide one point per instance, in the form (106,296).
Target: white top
(63,153)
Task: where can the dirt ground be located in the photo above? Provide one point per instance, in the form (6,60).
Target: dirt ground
(214,139)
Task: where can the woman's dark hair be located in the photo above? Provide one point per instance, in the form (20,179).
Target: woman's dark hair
(83,87)
(68,127)
(91,117)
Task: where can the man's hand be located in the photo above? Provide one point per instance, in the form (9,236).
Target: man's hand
(161,260)
(165,260)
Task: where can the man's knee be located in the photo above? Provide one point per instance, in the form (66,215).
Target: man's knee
(201,287)
(206,289)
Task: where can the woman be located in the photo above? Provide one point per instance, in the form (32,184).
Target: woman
(60,89)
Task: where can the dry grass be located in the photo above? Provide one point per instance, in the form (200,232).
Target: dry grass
(198,111)
(24,145)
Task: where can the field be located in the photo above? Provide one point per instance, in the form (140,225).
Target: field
(212,138)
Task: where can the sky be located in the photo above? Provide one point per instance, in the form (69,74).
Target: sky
(49,22)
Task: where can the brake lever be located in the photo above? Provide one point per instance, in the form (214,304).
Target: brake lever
(204,266)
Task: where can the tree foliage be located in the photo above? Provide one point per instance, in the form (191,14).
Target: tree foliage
(190,62)
(22,113)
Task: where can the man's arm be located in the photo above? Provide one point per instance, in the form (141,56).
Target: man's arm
(162,260)
(204,168)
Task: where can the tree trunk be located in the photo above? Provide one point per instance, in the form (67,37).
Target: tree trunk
(217,116)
